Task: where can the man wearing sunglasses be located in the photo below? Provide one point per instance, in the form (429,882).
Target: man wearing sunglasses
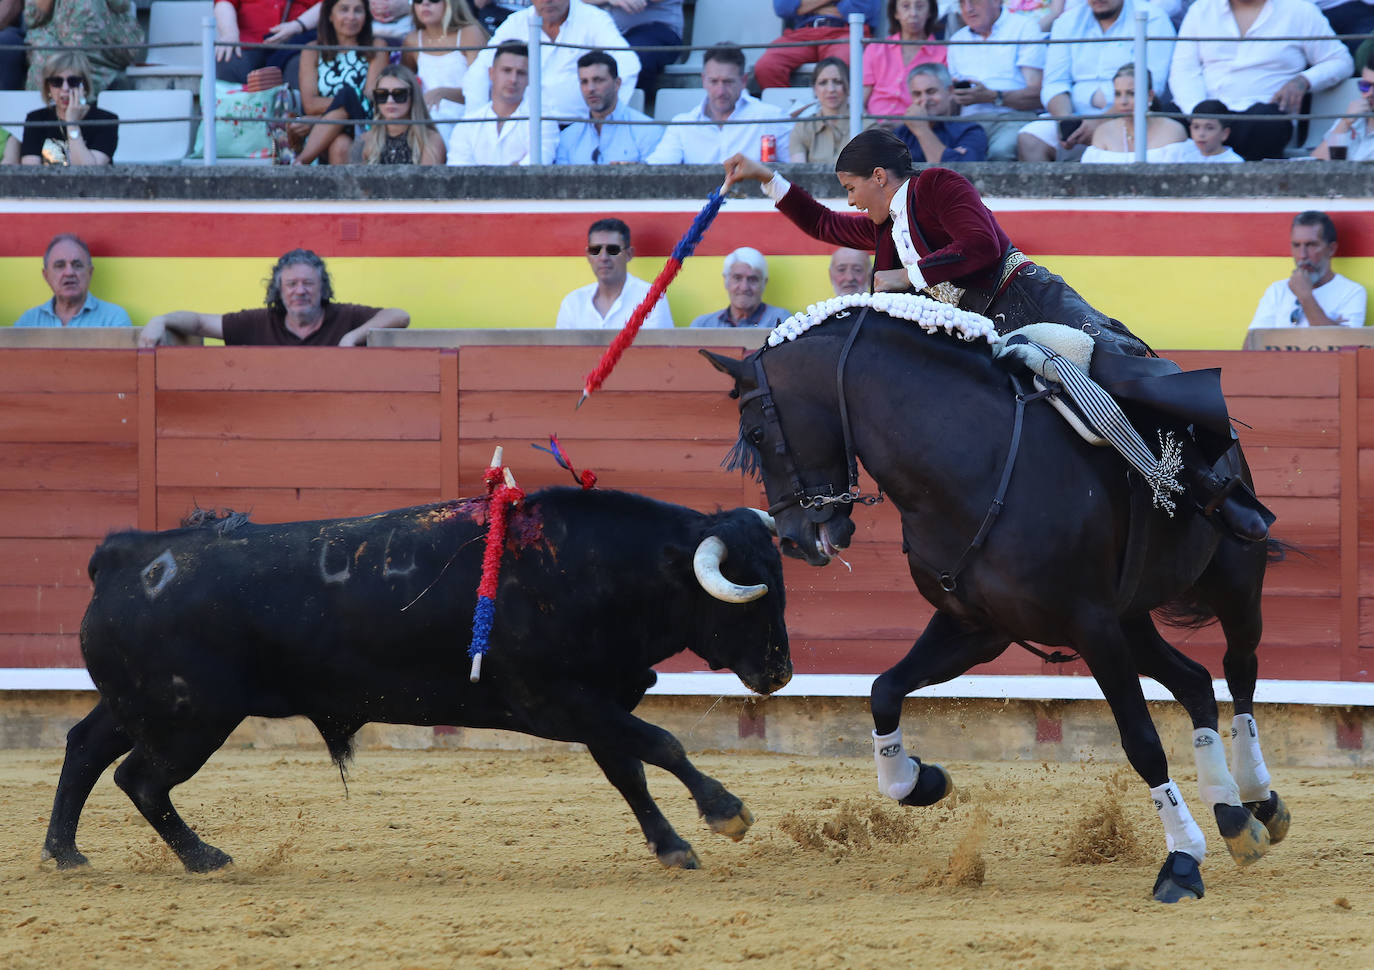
(1314,295)
(608,303)
(1354,134)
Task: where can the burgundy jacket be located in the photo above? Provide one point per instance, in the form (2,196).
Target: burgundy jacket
(956,235)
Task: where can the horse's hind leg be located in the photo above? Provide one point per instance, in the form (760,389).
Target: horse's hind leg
(944,650)
(1231,586)
(1191,685)
(92,746)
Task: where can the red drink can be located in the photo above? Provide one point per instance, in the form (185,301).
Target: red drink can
(768,149)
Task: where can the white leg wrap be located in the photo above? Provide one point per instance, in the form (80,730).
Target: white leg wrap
(1214,781)
(896,770)
(1247,762)
(1181,833)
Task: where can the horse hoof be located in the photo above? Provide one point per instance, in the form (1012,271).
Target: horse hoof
(66,858)
(1179,879)
(679,859)
(733,827)
(1246,838)
(932,784)
(207,859)
(1273,814)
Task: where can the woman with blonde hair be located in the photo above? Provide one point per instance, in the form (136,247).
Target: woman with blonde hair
(61,132)
(1114,141)
(389,142)
(442,24)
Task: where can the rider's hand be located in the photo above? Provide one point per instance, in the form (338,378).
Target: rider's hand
(891,281)
(738,168)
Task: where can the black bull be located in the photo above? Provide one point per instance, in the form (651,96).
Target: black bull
(931,417)
(368,619)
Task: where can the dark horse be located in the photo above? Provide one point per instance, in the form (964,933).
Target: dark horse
(931,418)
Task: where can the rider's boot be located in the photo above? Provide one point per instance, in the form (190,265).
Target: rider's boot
(1230,500)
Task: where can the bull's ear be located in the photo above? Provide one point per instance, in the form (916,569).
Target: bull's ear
(739,370)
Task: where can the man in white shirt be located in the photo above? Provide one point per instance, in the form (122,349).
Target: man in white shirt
(1078,77)
(722,79)
(1315,295)
(487,136)
(1270,79)
(996,79)
(608,303)
(567,22)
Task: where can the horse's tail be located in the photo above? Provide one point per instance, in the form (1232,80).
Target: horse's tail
(1191,612)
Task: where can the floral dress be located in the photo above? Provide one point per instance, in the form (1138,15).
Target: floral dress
(79,22)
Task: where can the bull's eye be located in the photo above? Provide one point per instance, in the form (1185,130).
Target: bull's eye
(755,436)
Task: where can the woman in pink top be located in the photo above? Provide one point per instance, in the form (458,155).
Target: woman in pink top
(886,65)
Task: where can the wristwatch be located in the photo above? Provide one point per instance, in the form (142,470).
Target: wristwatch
(73,133)
(998,100)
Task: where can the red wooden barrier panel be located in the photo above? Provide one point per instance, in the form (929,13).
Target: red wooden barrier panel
(97,440)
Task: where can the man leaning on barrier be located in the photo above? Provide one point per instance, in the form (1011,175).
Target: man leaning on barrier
(300,312)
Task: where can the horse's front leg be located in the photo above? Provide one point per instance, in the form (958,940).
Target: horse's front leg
(946,649)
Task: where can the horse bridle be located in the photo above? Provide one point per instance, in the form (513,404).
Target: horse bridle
(820,505)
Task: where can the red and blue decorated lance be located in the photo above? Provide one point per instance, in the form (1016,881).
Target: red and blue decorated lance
(502,494)
(685,247)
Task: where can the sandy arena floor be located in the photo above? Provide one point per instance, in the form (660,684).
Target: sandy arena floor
(506,860)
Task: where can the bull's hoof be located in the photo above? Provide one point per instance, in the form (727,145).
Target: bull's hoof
(932,784)
(1246,838)
(67,858)
(206,859)
(684,858)
(734,826)
(1180,878)
(1273,814)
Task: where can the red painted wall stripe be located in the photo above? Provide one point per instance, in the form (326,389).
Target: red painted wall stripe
(515,234)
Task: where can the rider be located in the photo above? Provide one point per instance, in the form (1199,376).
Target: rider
(932,232)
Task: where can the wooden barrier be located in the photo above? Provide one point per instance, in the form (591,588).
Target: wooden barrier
(95,440)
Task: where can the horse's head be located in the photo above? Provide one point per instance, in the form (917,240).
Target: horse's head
(790,436)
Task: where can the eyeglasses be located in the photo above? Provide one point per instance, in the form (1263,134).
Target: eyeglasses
(1364,86)
(399,95)
(419,2)
(69,81)
(611,250)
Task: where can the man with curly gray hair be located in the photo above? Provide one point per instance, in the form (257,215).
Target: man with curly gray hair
(300,311)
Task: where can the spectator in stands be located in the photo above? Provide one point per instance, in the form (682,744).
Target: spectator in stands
(397,99)
(822,26)
(997,79)
(849,271)
(110,24)
(746,276)
(62,132)
(1269,79)
(490,14)
(440,24)
(600,141)
(67,269)
(1357,131)
(932,95)
(336,85)
(887,67)
(1314,295)
(1044,12)
(300,312)
(1349,17)
(569,22)
(1078,77)
(648,23)
(1207,138)
(391,20)
(9,148)
(288,25)
(823,127)
(486,137)
(608,303)
(722,81)
(12,61)
(1114,141)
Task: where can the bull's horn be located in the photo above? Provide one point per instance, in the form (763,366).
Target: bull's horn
(767,520)
(706,564)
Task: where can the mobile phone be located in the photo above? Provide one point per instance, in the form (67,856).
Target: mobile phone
(963,84)
(1067,128)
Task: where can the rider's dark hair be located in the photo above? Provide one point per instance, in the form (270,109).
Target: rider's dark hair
(874,148)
